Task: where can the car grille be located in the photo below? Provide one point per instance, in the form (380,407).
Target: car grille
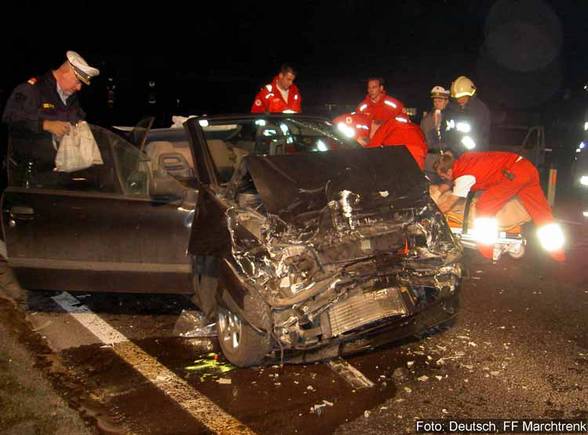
(365,308)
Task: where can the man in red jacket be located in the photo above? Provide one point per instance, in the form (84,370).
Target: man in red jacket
(400,131)
(501,175)
(280,96)
(377,105)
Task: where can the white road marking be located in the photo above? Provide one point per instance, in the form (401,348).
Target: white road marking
(192,401)
(354,377)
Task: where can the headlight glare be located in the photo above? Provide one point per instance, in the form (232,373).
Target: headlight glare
(485,230)
(551,237)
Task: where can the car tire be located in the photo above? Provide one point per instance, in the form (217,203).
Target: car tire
(518,254)
(242,345)
(205,284)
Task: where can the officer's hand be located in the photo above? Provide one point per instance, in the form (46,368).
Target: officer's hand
(58,128)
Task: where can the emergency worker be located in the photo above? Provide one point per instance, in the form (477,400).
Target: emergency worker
(433,124)
(41,111)
(400,131)
(378,106)
(468,119)
(354,125)
(500,175)
(279,96)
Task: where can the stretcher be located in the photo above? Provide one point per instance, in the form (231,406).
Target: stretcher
(510,219)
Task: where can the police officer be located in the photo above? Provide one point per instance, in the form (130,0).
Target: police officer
(39,112)
(433,124)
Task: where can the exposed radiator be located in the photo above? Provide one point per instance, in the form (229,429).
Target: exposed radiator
(366,308)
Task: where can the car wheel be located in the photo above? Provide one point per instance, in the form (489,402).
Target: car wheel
(517,253)
(242,345)
(205,284)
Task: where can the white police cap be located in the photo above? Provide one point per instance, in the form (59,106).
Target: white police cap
(80,67)
(439,92)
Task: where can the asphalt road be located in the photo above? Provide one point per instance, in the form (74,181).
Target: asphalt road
(518,349)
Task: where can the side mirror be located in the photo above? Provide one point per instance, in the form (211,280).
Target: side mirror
(165,186)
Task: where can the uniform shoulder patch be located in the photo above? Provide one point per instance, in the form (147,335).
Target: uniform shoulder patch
(32,81)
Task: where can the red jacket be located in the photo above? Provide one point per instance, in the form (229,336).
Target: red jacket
(382,110)
(400,131)
(360,124)
(487,167)
(269,99)
(502,175)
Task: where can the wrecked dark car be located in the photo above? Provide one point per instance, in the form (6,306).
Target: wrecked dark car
(320,247)
(298,242)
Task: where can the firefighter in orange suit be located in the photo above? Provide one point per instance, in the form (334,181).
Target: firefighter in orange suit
(279,96)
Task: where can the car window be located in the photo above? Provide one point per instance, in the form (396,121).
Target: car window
(230,141)
(133,168)
(32,164)
(169,151)
(505,136)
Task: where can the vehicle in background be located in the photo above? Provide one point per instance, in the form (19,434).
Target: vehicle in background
(526,141)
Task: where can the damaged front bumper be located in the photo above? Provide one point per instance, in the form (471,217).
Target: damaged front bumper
(346,317)
(344,284)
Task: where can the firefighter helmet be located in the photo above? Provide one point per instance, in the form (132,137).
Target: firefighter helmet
(462,86)
(439,92)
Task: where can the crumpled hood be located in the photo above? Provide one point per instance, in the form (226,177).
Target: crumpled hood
(291,185)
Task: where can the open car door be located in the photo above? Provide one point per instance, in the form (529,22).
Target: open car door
(99,229)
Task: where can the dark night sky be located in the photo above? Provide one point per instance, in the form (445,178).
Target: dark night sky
(214,56)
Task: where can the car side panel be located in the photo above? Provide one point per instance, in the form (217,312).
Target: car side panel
(96,242)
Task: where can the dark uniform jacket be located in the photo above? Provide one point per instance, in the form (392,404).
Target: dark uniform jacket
(28,106)
(476,113)
(435,138)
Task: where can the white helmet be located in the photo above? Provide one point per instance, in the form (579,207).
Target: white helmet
(439,92)
(462,86)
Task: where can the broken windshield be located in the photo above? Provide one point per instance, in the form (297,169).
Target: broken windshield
(230,140)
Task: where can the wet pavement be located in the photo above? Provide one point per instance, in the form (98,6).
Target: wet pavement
(518,348)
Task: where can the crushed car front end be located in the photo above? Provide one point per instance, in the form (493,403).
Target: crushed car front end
(340,262)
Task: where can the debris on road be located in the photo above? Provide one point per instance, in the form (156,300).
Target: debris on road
(353,376)
(400,374)
(318,408)
(193,324)
(210,366)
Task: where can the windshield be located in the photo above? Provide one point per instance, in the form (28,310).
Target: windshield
(231,140)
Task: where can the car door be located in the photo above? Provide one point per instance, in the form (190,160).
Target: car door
(98,229)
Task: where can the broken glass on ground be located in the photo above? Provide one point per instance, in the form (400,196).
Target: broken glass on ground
(193,324)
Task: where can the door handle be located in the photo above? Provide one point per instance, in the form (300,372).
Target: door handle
(22,213)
